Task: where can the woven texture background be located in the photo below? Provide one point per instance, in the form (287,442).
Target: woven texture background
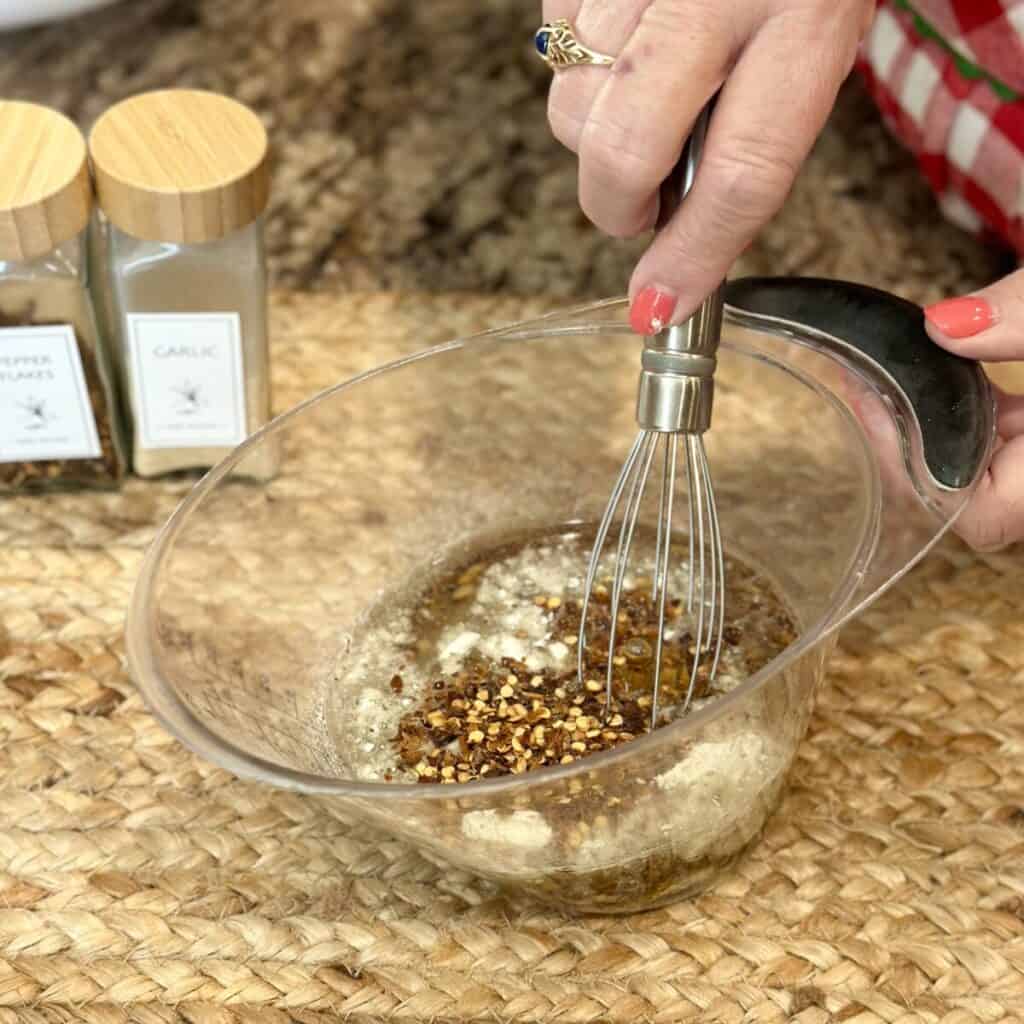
(138,884)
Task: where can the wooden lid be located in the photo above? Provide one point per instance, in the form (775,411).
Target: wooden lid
(45,193)
(180,165)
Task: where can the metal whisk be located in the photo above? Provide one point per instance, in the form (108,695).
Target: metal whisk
(673,404)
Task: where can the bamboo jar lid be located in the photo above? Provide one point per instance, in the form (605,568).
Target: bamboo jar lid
(180,165)
(45,193)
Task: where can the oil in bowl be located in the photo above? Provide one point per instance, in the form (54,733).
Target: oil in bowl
(471,674)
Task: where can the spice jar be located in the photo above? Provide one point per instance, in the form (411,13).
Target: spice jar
(182,179)
(58,414)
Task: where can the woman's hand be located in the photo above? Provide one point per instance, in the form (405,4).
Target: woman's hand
(989,325)
(780,64)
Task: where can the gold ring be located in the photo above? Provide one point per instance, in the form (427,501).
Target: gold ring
(560,49)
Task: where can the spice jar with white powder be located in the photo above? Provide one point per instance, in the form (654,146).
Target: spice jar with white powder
(183,182)
(59,423)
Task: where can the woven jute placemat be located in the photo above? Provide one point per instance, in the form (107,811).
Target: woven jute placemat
(139,884)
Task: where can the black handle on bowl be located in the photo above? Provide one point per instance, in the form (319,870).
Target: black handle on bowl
(950,395)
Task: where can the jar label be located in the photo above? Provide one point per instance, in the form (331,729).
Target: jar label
(45,411)
(187,379)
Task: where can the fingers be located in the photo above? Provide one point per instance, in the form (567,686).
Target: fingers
(1011,414)
(603,26)
(770,112)
(994,518)
(884,437)
(988,325)
(555,9)
(640,117)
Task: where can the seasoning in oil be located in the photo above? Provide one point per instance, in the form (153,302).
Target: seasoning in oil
(494,718)
(486,646)
(487,658)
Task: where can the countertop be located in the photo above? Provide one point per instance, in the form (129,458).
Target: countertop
(412,149)
(142,885)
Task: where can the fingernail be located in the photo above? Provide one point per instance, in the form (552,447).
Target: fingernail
(651,310)
(961,318)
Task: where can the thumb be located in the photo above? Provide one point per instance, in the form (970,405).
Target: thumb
(994,518)
(987,325)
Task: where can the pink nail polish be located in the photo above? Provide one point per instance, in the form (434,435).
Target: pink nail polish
(961,318)
(651,311)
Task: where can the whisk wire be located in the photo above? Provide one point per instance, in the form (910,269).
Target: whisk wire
(664,550)
(690,535)
(656,573)
(718,580)
(706,583)
(599,540)
(629,520)
(693,451)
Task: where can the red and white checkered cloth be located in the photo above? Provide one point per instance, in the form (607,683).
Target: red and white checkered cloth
(967,133)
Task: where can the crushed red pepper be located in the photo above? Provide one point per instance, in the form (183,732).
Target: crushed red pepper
(496,718)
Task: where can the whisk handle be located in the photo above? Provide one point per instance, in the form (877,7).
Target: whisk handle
(676,389)
(951,396)
(677,185)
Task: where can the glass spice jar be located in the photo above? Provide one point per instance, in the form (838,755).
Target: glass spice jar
(182,179)
(59,424)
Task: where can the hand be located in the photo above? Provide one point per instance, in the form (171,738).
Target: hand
(989,325)
(780,64)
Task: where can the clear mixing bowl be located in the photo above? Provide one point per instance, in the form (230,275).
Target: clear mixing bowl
(250,599)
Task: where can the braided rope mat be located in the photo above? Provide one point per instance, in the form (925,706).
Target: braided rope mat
(138,884)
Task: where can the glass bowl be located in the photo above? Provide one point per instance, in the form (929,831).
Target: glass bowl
(245,614)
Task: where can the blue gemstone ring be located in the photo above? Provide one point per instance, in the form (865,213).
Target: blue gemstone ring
(559,48)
